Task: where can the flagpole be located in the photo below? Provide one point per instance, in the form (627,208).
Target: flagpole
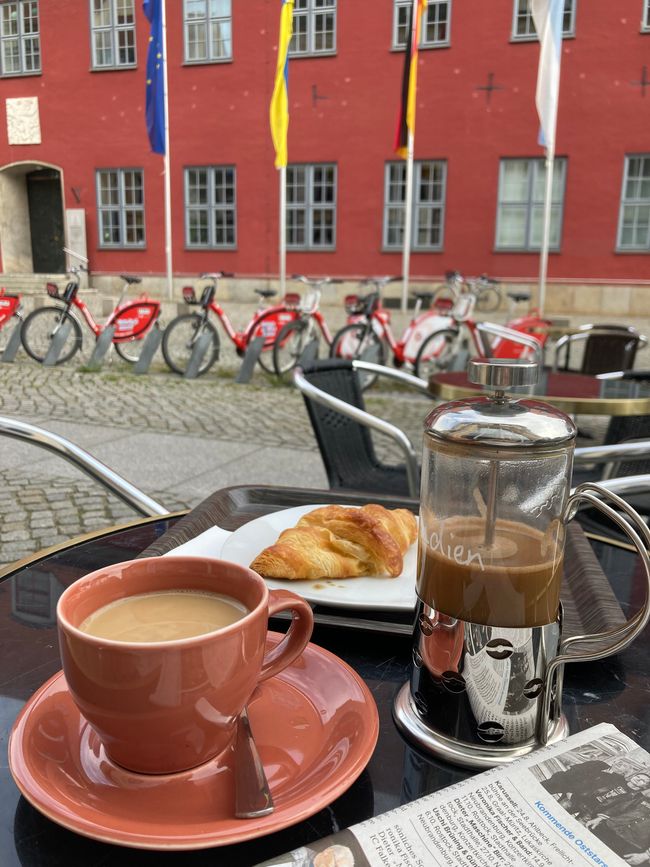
(408,198)
(283,229)
(408,205)
(168,192)
(546,234)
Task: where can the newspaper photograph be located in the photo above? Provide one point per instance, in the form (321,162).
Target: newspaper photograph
(584,801)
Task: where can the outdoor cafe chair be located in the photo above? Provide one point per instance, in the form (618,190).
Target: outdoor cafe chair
(606,348)
(342,426)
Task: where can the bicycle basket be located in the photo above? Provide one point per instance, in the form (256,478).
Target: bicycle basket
(52,290)
(189,296)
(353,304)
(207,295)
(309,302)
(464,307)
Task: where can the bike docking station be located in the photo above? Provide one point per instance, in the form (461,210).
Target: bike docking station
(198,354)
(13,344)
(57,343)
(251,357)
(102,346)
(149,348)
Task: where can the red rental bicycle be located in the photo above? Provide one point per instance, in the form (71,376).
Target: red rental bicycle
(182,333)
(9,306)
(132,320)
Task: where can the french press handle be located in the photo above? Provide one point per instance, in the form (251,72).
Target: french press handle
(620,635)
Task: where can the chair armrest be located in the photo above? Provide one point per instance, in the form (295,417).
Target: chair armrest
(392,373)
(628,485)
(367,420)
(630,451)
(83,460)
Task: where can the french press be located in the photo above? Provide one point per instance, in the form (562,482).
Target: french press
(488,652)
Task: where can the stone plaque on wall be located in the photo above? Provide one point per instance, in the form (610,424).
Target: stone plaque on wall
(23,121)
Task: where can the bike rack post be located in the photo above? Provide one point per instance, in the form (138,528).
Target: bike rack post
(102,346)
(198,353)
(371,353)
(57,344)
(13,344)
(251,357)
(149,348)
(309,353)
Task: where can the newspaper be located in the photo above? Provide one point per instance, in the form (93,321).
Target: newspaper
(584,801)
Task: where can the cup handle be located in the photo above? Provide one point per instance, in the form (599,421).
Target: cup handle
(298,634)
(620,636)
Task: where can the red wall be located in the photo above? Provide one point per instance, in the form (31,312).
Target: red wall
(219,115)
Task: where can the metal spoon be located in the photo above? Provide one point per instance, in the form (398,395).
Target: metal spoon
(252,794)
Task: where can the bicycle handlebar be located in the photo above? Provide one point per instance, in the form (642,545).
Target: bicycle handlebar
(315,282)
(216,276)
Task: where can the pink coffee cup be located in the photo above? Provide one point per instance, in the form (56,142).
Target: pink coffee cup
(162,707)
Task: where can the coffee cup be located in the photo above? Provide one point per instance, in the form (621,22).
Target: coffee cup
(165,706)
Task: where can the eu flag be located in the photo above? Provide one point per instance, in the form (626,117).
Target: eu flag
(155,103)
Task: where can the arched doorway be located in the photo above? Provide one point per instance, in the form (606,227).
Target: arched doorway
(32,228)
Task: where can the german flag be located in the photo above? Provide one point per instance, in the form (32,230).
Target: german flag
(406,119)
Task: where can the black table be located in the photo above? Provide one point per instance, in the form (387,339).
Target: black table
(613,690)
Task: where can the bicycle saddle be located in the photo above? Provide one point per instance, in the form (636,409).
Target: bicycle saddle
(519,296)
(266,293)
(129,278)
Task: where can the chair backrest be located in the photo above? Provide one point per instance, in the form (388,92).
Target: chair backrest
(345,445)
(609,348)
(627,428)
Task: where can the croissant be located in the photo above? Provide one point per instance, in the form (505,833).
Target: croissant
(338,542)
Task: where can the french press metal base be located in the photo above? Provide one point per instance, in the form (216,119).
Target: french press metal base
(474,698)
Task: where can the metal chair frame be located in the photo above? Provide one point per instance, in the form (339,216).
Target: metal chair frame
(590,330)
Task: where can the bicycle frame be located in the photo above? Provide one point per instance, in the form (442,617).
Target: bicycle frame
(132,320)
(9,306)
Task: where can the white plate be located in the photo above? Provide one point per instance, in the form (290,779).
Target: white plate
(380,592)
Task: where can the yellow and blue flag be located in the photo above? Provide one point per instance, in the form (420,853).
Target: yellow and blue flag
(155,101)
(279,110)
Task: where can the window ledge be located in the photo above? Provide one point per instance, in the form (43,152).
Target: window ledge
(125,68)
(310,249)
(21,74)
(196,248)
(310,55)
(400,49)
(526,251)
(627,251)
(121,248)
(514,39)
(207,62)
(415,250)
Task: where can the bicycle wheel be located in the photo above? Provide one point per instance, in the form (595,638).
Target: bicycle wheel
(436,353)
(289,345)
(39,329)
(488,299)
(179,339)
(359,341)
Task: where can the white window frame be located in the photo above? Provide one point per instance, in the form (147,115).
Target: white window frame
(645,17)
(210,54)
(21,37)
(114,28)
(121,208)
(431,16)
(211,207)
(310,205)
(531,35)
(310,14)
(531,204)
(633,202)
(419,207)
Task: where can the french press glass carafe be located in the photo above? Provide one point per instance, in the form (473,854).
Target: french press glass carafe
(495,501)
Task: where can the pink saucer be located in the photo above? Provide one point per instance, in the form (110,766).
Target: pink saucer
(315,725)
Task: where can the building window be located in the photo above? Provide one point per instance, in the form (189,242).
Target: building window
(435,23)
(634,218)
(210,206)
(311,207)
(208,30)
(314,27)
(20,44)
(429,181)
(645,21)
(113,33)
(520,215)
(120,207)
(523,26)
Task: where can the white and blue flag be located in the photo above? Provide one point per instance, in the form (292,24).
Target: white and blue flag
(548,16)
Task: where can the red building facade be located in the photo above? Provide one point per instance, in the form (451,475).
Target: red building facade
(76,167)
